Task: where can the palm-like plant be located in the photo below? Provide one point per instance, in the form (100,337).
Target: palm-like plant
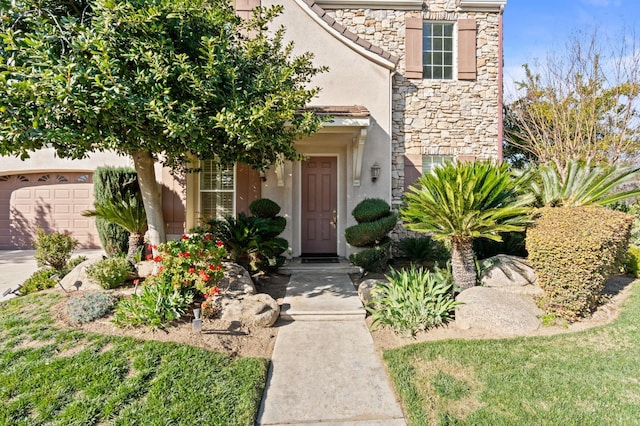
(580,184)
(465,201)
(127,212)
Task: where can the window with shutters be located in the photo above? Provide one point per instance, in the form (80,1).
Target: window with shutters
(217,190)
(437,50)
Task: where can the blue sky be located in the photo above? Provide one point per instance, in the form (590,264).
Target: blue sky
(534,27)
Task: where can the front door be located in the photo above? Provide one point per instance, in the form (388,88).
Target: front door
(319,206)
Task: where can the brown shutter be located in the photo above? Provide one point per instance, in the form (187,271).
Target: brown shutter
(413,47)
(244,8)
(466,49)
(465,158)
(248,187)
(412,169)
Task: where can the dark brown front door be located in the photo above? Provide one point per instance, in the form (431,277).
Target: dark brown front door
(319,205)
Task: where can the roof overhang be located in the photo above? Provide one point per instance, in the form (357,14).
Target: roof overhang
(371,4)
(482,5)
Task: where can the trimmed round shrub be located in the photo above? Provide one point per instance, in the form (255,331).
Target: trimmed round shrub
(39,280)
(275,227)
(264,207)
(111,272)
(371,209)
(373,259)
(369,233)
(574,250)
(54,249)
(89,307)
(632,262)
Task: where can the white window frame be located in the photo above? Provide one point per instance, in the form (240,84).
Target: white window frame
(454,50)
(429,165)
(231,191)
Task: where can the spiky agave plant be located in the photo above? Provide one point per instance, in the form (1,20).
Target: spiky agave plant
(464,201)
(581,184)
(127,212)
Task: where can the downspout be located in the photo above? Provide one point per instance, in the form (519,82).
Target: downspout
(500,84)
(391,161)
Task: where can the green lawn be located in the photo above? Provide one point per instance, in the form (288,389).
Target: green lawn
(63,377)
(585,378)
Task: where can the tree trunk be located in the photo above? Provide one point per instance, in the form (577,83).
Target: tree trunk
(151,198)
(463,265)
(134,243)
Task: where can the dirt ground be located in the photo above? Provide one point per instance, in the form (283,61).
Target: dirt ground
(217,335)
(242,340)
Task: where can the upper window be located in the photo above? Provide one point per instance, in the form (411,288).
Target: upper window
(437,50)
(217,190)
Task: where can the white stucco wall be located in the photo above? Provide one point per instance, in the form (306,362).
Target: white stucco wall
(352,79)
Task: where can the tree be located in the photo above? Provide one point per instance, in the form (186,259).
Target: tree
(580,104)
(461,202)
(168,80)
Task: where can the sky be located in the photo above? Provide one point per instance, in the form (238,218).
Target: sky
(534,27)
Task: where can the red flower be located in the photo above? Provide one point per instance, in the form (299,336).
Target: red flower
(212,268)
(207,237)
(219,243)
(201,254)
(160,269)
(157,259)
(136,281)
(184,254)
(149,256)
(185,237)
(206,277)
(186,282)
(218,268)
(215,290)
(192,270)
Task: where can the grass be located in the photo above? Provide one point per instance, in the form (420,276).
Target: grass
(65,376)
(586,378)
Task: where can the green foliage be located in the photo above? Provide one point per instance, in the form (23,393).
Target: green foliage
(107,183)
(54,249)
(179,78)
(252,241)
(42,279)
(513,244)
(264,207)
(111,272)
(632,262)
(573,250)
(158,304)
(418,250)
(73,262)
(127,212)
(369,233)
(464,201)
(370,210)
(88,307)
(581,184)
(415,299)
(373,259)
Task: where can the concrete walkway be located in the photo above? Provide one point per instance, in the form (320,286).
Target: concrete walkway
(324,369)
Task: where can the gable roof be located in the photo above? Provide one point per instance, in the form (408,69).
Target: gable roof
(352,40)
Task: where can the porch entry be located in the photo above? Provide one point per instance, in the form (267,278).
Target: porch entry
(319,206)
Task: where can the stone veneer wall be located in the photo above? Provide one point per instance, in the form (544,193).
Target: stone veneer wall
(438,117)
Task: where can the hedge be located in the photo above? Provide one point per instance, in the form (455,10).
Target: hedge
(370,210)
(369,233)
(574,250)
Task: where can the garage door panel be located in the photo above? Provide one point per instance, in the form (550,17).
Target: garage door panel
(54,204)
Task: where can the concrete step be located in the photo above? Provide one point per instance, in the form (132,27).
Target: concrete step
(325,315)
(296,265)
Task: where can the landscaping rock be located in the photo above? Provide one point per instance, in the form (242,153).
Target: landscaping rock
(364,290)
(508,271)
(145,268)
(78,279)
(236,280)
(256,309)
(496,311)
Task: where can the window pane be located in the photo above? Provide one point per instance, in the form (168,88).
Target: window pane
(426,71)
(448,73)
(448,59)
(437,72)
(437,44)
(427,59)
(448,45)
(448,30)
(216,204)
(437,29)
(437,58)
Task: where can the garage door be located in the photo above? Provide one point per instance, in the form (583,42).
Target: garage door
(53,201)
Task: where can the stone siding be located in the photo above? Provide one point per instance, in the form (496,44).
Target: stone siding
(437,117)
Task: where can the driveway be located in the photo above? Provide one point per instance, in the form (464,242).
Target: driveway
(18,265)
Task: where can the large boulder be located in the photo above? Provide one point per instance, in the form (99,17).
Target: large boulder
(497,311)
(78,279)
(510,273)
(364,290)
(146,268)
(255,309)
(236,280)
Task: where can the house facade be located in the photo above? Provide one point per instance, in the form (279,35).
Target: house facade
(411,84)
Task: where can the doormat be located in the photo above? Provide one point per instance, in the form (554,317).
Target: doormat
(320,260)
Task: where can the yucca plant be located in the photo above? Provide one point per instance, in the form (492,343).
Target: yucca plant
(581,184)
(464,201)
(127,212)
